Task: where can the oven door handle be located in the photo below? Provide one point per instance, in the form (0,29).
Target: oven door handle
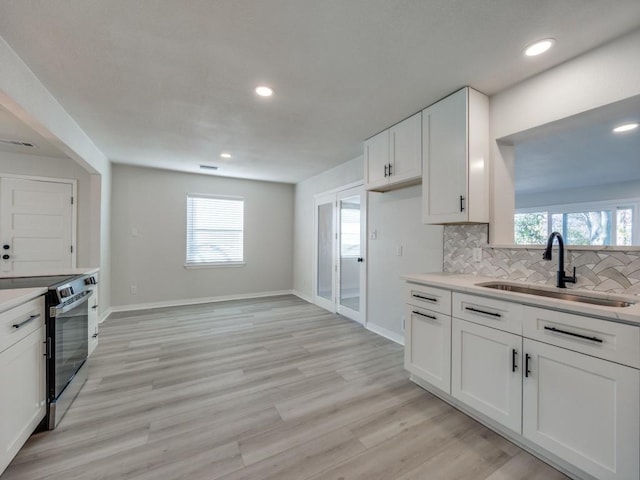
(55,311)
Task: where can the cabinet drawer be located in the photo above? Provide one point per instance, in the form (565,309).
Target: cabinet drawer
(613,341)
(493,313)
(17,323)
(436,299)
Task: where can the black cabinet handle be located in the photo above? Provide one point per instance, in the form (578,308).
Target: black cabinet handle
(462,203)
(514,354)
(527,357)
(564,332)
(424,314)
(475,310)
(389,169)
(429,299)
(30,319)
(385,171)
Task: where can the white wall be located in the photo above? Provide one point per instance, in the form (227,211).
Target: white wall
(23,95)
(154,203)
(604,75)
(344,174)
(396,217)
(603,193)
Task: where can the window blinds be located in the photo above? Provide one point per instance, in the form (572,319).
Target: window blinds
(215,230)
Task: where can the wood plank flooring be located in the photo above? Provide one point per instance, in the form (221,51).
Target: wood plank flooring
(271,388)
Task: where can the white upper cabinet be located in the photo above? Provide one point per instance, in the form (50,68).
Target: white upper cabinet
(393,158)
(455,153)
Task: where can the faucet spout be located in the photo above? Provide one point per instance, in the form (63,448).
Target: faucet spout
(563,278)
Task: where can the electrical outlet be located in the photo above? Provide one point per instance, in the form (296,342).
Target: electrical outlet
(399,250)
(477,254)
(133,289)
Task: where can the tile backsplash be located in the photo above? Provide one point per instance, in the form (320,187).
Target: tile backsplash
(605,270)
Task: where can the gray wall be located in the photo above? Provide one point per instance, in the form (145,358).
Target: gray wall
(154,203)
(396,217)
(344,174)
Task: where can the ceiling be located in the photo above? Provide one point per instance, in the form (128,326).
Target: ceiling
(579,151)
(169,84)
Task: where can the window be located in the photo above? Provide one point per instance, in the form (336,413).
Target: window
(581,224)
(215,230)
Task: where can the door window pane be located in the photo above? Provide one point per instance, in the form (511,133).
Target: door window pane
(350,252)
(325,253)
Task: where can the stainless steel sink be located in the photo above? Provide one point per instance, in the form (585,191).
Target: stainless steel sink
(573,297)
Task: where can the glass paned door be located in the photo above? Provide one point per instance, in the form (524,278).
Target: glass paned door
(339,253)
(325,251)
(350,252)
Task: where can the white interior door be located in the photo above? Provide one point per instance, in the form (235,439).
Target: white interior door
(36,226)
(350,253)
(339,253)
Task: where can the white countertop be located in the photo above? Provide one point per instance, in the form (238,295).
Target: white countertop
(468,284)
(48,273)
(16,296)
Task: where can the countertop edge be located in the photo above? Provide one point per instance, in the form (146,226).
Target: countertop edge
(466,283)
(17,296)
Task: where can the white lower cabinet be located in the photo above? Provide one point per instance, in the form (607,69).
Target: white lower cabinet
(486,371)
(22,396)
(583,409)
(566,386)
(92,321)
(428,346)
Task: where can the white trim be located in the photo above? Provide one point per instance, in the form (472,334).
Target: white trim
(195,301)
(105,315)
(386,333)
(333,191)
(302,296)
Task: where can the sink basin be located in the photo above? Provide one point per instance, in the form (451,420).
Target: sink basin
(573,297)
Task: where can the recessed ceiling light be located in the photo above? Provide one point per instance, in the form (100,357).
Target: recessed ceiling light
(264,91)
(225,155)
(539,47)
(625,128)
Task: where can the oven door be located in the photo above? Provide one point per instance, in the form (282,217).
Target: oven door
(69,338)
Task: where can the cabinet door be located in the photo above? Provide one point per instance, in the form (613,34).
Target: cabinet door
(583,409)
(444,150)
(428,346)
(22,393)
(92,329)
(376,160)
(486,371)
(406,150)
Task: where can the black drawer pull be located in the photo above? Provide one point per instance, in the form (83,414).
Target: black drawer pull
(564,332)
(424,315)
(429,299)
(475,310)
(527,372)
(514,354)
(22,324)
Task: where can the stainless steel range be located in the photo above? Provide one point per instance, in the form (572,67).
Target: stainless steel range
(67,337)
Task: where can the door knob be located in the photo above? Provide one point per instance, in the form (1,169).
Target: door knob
(6,247)
(360,259)
(5,257)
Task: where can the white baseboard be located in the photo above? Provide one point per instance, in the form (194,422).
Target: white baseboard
(303,296)
(386,333)
(195,301)
(105,315)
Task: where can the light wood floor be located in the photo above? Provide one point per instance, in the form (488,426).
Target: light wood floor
(272,388)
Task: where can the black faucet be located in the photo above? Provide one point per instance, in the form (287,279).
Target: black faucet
(562,277)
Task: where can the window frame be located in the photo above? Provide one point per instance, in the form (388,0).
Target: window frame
(212,264)
(613,205)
